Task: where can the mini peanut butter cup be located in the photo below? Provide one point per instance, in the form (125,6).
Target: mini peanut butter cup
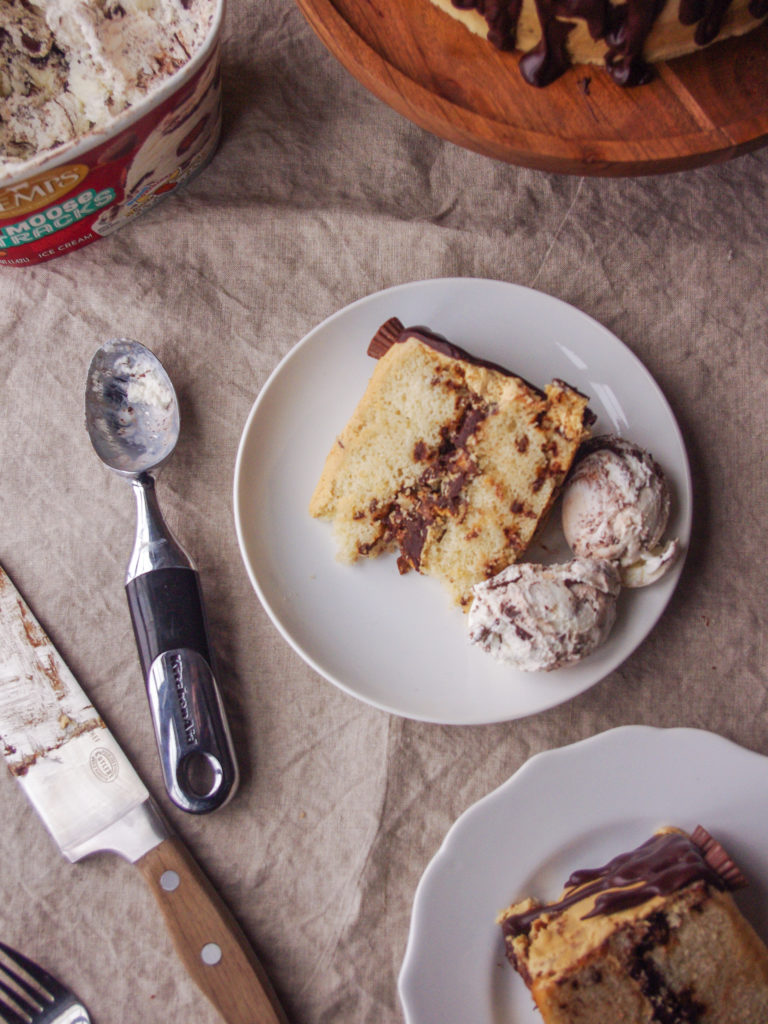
(386,336)
(718,859)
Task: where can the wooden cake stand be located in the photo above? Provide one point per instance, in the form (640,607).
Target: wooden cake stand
(700,109)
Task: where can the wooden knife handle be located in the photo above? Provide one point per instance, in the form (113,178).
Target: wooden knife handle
(209,941)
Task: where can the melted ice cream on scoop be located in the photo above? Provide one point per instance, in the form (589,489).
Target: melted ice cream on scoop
(537,617)
(616,506)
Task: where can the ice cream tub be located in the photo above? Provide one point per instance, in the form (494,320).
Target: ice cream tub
(66,196)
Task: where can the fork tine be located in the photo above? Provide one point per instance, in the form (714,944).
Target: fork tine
(37,997)
(27,998)
(8,1015)
(19,994)
(30,999)
(50,985)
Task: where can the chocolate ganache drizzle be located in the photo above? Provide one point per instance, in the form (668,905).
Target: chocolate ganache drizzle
(625,28)
(664,864)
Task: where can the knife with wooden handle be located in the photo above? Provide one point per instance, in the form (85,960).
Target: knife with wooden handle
(90,799)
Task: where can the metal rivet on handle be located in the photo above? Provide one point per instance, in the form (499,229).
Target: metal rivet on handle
(211,953)
(169,881)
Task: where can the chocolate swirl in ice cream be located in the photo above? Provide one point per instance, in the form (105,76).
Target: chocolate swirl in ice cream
(69,67)
(616,506)
(542,617)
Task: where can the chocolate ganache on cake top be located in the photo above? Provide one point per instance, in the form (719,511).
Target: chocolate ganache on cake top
(627,37)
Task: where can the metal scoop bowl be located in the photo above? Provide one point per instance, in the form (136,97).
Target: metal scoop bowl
(132,418)
(131,410)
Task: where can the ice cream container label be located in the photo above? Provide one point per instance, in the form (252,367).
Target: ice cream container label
(72,204)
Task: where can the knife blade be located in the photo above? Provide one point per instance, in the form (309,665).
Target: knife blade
(91,799)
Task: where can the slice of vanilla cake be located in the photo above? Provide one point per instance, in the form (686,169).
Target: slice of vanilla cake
(451,460)
(652,937)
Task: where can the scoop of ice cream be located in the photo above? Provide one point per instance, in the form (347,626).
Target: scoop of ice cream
(545,616)
(616,507)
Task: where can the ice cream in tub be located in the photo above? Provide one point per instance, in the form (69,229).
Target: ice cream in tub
(105,107)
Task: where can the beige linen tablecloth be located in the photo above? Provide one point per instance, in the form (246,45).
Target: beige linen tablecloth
(320,195)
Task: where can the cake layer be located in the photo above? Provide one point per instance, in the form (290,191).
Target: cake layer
(450,460)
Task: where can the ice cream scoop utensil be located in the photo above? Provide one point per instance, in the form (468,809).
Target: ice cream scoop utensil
(132,417)
(91,800)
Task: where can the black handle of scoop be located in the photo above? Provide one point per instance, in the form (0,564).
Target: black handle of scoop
(193,739)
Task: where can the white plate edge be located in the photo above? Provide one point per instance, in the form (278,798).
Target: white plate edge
(685,511)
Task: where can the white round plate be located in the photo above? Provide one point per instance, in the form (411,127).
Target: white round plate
(576,807)
(395,641)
